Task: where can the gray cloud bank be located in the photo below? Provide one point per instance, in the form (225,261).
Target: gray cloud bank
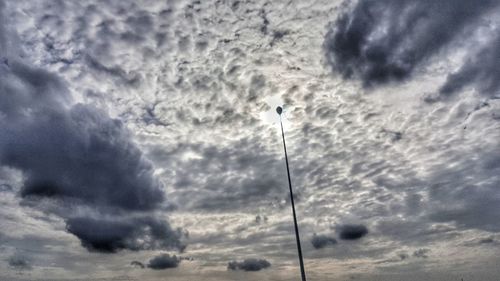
(111,235)
(384,41)
(190,79)
(75,154)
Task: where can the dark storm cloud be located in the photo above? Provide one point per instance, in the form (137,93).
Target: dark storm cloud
(164,261)
(383,41)
(80,154)
(19,262)
(249,265)
(112,235)
(322,241)
(69,151)
(352,231)
(75,154)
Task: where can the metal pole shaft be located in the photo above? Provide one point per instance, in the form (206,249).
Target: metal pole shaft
(297,236)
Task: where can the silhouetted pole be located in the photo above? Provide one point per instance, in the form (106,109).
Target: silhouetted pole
(297,236)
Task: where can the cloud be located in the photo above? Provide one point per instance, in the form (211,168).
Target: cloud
(114,71)
(249,265)
(164,261)
(481,241)
(19,262)
(5,188)
(322,241)
(421,253)
(66,151)
(112,235)
(3,38)
(137,264)
(383,41)
(352,231)
(80,154)
(74,154)
(480,69)
(259,219)
(240,174)
(467,202)
(196,68)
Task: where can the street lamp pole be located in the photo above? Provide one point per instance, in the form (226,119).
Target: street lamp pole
(279,110)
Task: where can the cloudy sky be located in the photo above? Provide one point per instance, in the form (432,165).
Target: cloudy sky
(139,139)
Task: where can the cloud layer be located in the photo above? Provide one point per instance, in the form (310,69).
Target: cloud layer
(76,155)
(111,235)
(117,114)
(352,231)
(383,41)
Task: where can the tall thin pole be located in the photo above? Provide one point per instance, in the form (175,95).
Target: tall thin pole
(297,236)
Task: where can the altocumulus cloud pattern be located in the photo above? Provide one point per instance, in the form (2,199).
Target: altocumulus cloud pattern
(138,139)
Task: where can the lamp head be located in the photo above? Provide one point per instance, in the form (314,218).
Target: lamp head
(279,110)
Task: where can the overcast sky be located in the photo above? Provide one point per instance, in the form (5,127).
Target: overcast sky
(139,139)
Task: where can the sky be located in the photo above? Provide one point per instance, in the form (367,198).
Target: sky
(139,139)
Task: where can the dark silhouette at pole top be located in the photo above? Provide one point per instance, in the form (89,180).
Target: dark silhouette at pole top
(279,110)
